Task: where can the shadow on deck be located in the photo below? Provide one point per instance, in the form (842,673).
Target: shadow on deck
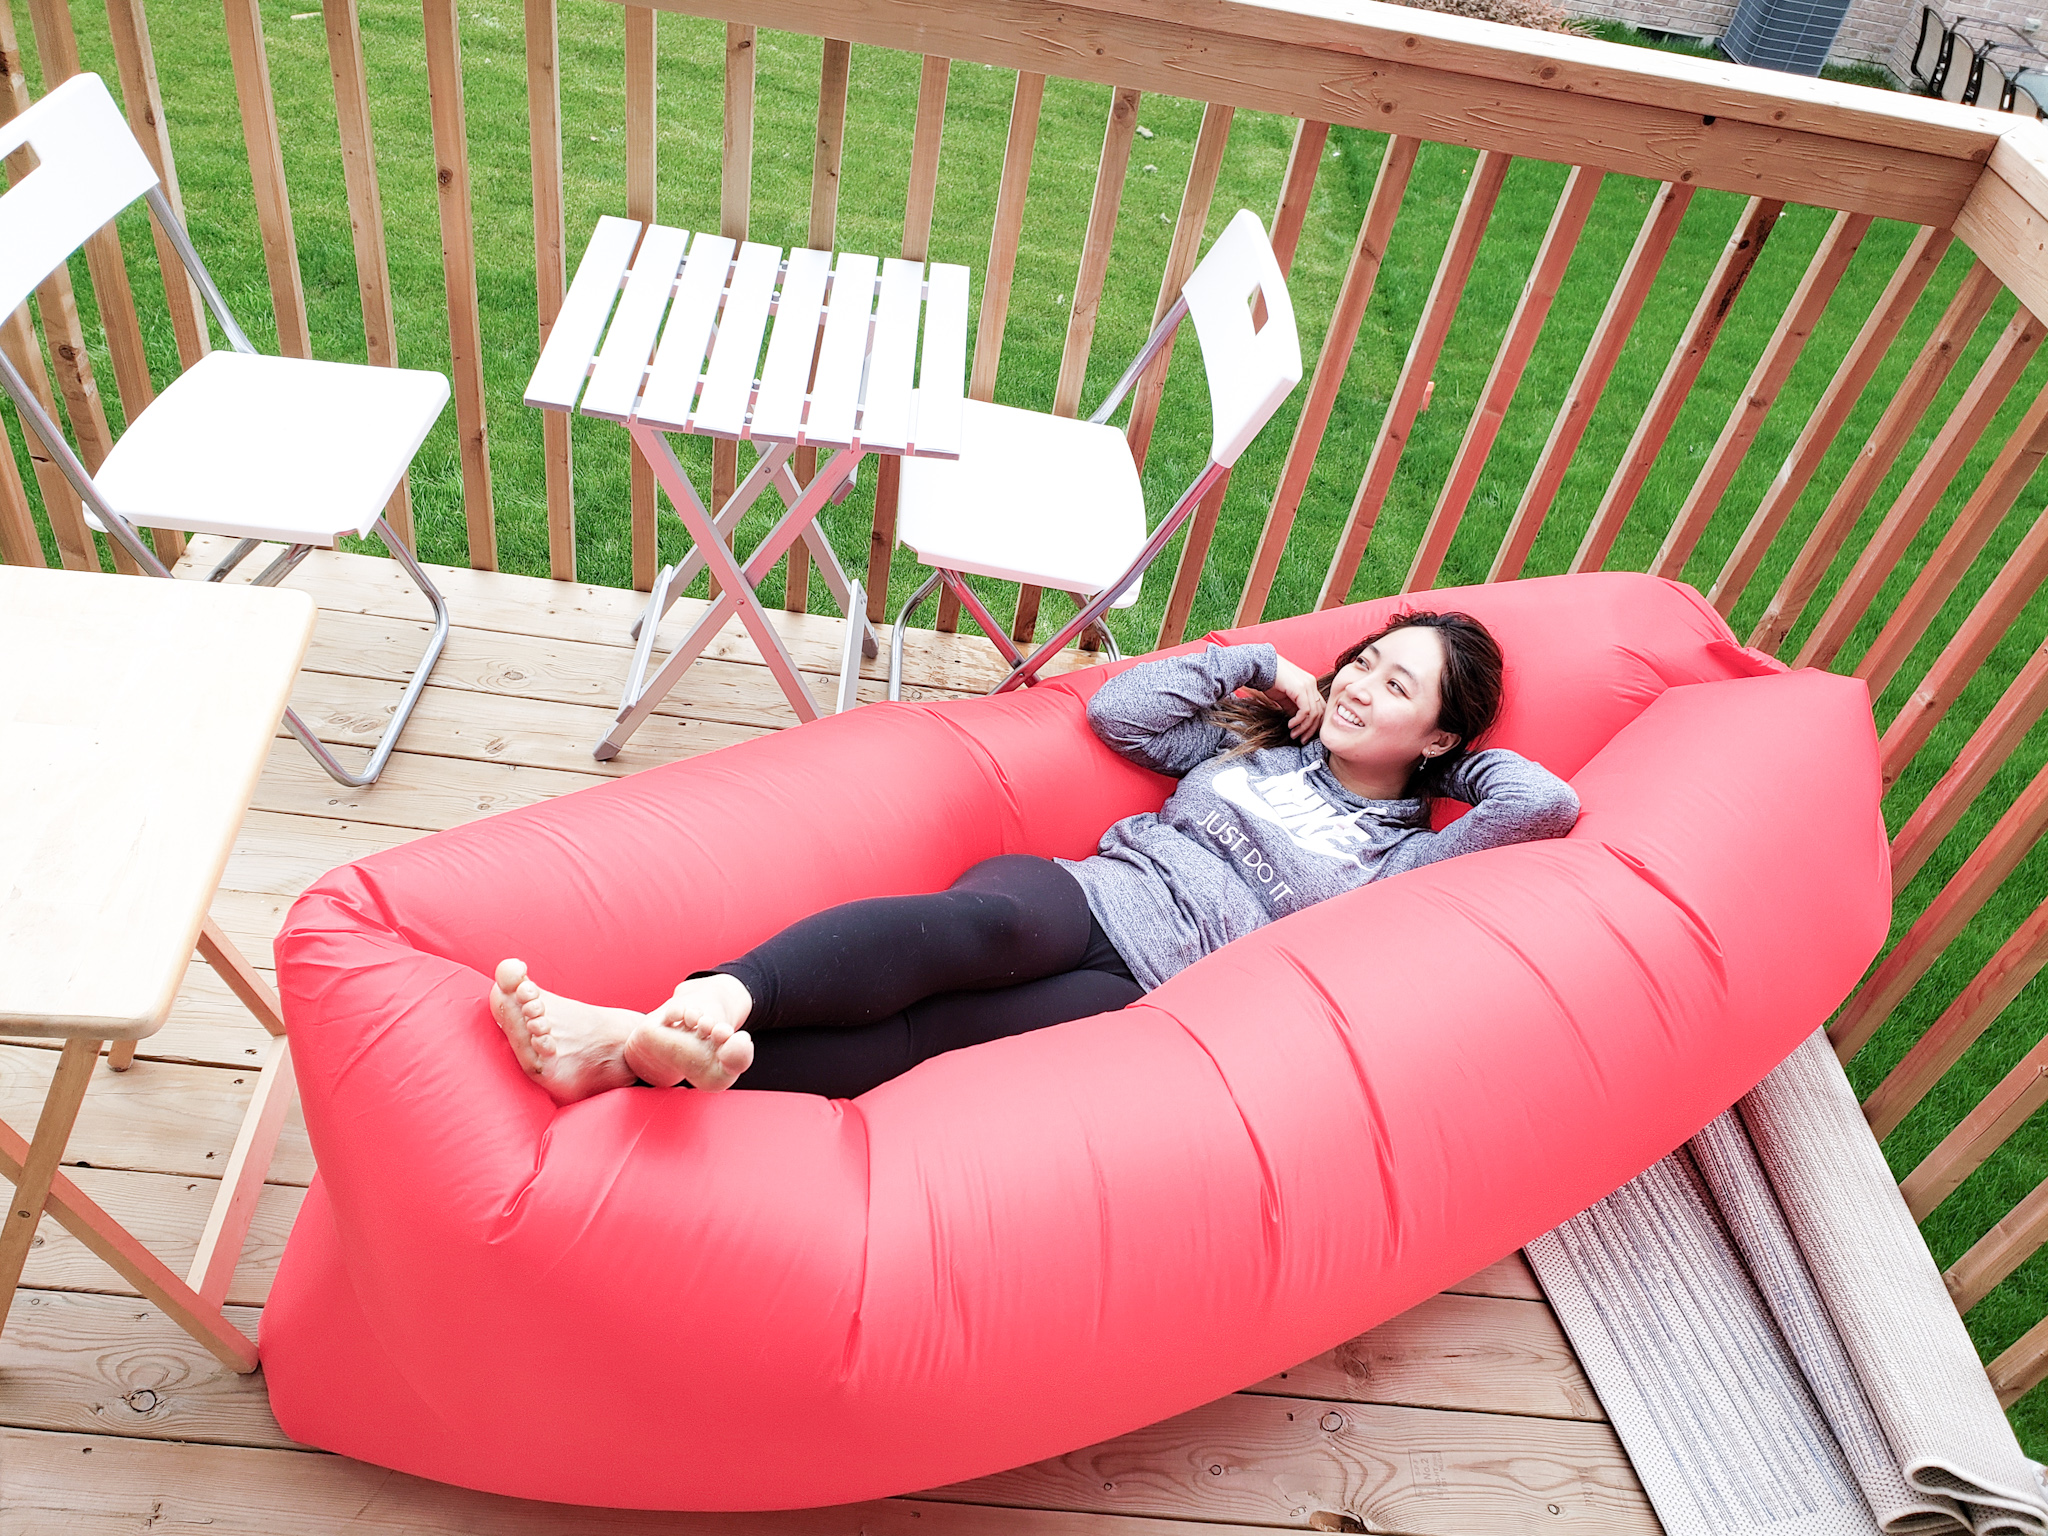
(1465,1416)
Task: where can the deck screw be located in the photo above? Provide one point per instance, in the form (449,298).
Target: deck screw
(1216,1470)
(1555,1510)
(1333,1420)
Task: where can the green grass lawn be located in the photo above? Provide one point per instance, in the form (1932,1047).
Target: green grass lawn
(200,104)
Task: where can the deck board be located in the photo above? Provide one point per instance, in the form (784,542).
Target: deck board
(1465,1416)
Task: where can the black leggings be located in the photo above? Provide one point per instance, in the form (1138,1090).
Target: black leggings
(860,993)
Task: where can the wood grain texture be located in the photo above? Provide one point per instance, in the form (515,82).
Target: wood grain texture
(550,255)
(518,605)
(2016,1238)
(459,268)
(1908,281)
(2018,458)
(158,1117)
(1603,351)
(57,46)
(19,542)
(1018,149)
(1990,992)
(1181,254)
(1274,1460)
(76,550)
(1930,479)
(166,1212)
(1929,371)
(1560,241)
(266,170)
(1906,159)
(142,99)
(1738,259)
(1297,185)
(1482,191)
(1368,251)
(1986,1128)
(1795,327)
(1983,754)
(640,55)
(89,1364)
(1454,1351)
(1944,918)
(926,139)
(101,1484)
(1110,171)
(365,215)
(2021,1368)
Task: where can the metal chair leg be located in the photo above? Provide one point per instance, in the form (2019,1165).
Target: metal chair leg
(910,606)
(234,557)
(381,753)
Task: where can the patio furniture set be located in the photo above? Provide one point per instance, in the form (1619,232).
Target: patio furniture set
(1981,61)
(663,331)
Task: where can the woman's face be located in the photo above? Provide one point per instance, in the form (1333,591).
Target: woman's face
(1382,714)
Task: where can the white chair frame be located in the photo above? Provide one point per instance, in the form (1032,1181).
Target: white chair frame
(1229,440)
(77,96)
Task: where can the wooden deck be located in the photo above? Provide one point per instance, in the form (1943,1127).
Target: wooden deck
(1467,1415)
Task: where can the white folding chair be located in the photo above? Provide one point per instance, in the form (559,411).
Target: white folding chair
(242,444)
(1055,502)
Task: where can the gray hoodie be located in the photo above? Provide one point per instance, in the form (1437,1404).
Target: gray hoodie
(1244,841)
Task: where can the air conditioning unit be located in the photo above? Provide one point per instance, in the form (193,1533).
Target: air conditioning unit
(1793,35)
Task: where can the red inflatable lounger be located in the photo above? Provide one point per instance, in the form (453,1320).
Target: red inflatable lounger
(763,1300)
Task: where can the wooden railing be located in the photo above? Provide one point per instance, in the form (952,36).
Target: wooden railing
(1941,624)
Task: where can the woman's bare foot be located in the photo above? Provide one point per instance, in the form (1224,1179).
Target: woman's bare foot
(572,1049)
(697,1035)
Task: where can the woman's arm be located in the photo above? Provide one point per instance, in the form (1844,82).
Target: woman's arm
(1152,713)
(1513,801)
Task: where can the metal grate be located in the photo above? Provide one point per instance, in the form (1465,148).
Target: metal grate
(1792,35)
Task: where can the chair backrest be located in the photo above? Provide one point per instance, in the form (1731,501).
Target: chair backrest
(1961,82)
(89,169)
(1944,60)
(2024,101)
(1251,370)
(1929,48)
(1992,86)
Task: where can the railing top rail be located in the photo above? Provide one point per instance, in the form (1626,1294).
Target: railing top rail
(1693,121)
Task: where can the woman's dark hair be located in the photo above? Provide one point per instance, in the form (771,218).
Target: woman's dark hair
(1469,694)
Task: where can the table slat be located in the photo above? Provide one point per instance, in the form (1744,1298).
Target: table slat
(736,351)
(572,341)
(885,409)
(779,411)
(836,393)
(935,422)
(672,384)
(615,383)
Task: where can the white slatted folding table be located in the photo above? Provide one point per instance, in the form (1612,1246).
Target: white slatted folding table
(121,791)
(664,331)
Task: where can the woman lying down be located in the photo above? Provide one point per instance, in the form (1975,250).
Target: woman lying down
(1307,788)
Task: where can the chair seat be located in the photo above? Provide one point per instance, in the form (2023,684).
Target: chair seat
(1041,499)
(285,448)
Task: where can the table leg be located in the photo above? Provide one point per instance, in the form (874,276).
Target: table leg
(241,1182)
(736,590)
(39,1164)
(744,495)
(233,967)
(80,1215)
(827,561)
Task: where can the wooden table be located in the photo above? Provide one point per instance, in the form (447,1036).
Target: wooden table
(836,373)
(121,790)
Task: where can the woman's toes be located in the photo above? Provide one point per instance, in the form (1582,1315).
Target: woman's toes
(510,974)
